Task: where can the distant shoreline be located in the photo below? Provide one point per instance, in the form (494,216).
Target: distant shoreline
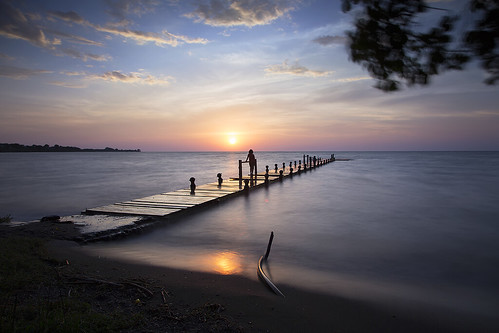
(18,148)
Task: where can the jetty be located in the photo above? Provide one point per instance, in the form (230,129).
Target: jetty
(194,197)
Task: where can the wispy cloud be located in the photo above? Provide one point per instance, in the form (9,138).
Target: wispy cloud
(69,73)
(5,56)
(74,38)
(84,56)
(353,79)
(142,37)
(70,16)
(295,69)
(120,9)
(19,73)
(68,84)
(330,40)
(14,24)
(134,77)
(227,13)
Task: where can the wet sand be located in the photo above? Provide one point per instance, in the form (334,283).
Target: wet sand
(256,308)
(248,305)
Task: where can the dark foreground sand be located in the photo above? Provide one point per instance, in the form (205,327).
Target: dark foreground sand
(247,305)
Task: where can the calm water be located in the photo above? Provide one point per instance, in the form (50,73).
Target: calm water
(421,227)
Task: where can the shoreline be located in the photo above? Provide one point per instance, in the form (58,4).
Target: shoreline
(245,304)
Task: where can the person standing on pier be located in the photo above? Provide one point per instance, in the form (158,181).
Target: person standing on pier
(252,161)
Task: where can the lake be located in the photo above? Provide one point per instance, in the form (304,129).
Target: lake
(415,227)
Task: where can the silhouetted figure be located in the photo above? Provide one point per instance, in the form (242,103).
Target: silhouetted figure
(252,161)
(220,179)
(193,185)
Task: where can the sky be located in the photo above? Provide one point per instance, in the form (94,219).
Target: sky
(218,75)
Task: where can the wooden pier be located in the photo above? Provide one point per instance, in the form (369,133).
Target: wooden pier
(181,201)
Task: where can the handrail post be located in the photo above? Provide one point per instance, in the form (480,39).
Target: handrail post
(256,172)
(240,174)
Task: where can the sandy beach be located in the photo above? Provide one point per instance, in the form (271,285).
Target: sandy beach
(180,300)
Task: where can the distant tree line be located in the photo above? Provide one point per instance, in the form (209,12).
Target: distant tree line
(15,148)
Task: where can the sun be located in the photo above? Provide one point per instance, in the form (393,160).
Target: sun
(232,138)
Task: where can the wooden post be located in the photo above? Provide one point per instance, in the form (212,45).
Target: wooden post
(240,173)
(283,166)
(269,245)
(280,175)
(275,168)
(256,172)
(220,180)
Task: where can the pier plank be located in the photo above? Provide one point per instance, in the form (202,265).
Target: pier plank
(179,200)
(145,211)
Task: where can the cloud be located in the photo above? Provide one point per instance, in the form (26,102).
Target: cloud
(5,56)
(330,40)
(294,69)
(67,84)
(120,9)
(227,13)
(14,24)
(188,40)
(141,37)
(73,73)
(140,78)
(354,79)
(84,56)
(75,39)
(19,73)
(70,16)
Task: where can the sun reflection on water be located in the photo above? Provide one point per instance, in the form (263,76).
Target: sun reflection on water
(226,263)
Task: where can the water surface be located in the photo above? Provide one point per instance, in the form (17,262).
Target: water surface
(418,227)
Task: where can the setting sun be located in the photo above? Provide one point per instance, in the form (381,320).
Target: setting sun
(232,138)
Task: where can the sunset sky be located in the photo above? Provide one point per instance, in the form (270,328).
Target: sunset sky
(216,75)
